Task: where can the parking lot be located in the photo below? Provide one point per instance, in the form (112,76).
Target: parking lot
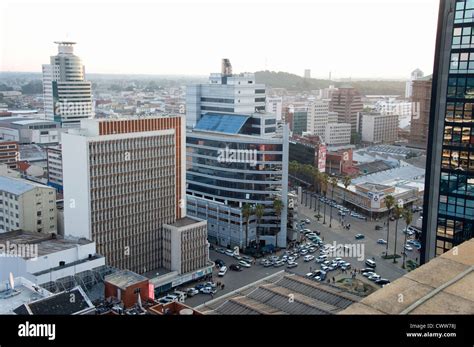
(368,246)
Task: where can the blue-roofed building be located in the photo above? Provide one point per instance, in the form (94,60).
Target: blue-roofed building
(236,154)
(26,205)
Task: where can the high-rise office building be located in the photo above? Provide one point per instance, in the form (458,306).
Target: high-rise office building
(226,93)
(300,119)
(275,105)
(420,111)
(448,217)
(379,128)
(123,179)
(234,157)
(347,102)
(415,75)
(67,95)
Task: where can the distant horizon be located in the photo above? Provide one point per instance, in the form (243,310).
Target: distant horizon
(339,79)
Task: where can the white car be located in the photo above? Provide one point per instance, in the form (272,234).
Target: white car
(192,291)
(222,271)
(208,290)
(374,277)
(307,221)
(308,257)
(244,264)
(229,252)
(408,248)
(368,274)
(321,258)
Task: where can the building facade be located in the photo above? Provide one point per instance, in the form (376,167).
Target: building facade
(379,128)
(415,75)
(55,167)
(67,94)
(275,105)
(226,93)
(337,134)
(448,217)
(27,205)
(185,245)
(347,102)
(123,179)
(235,158)
(421,99)
(9,153)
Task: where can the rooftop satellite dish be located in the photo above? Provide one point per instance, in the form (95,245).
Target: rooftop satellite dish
(12,281)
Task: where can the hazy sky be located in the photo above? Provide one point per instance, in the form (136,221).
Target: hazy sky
(352,38)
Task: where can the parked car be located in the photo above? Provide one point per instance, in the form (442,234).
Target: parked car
(321,258)
(291,265)
(370,262)
(219,262)
(244,264)
(368,274)
(248,259)
(359,237)
(222,271)
(220,250)
(210,284)
(367,269)
(235,267)
(308,257)
(307,221)
(381,242)
(229,252)
(374,277)
(238,257)
(192,291)
(268,263)
(408,248)
(324,268)
(279,263)
(382,281)
(345,266)
(208,290)
(378,227)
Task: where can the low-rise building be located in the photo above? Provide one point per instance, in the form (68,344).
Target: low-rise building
(9,153)
(45,258)
(379,128)
(27,205)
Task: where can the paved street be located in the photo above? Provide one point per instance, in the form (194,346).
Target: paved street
(385,268)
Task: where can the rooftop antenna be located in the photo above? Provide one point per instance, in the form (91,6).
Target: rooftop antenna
(12,281)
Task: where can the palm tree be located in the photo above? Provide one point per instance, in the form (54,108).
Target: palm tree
(398,211)
(277,207)
(259,212)
(408,216)
(346,181)
(389,203)
(324,186)
(247,212)
(333,182)
(317,186)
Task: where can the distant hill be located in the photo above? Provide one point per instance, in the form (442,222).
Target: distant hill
(296,83)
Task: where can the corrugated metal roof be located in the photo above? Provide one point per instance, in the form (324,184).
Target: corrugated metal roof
(16,186)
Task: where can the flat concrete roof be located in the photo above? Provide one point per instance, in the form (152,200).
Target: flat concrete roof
(442,286)
(182,222)
(46,244)
(124,279)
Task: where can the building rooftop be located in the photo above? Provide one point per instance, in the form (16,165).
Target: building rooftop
(442,286)
(58,304)
(45,243)
(124,279)
(23,293)
(182,222)
(407,172)
(17,186)
(270,296)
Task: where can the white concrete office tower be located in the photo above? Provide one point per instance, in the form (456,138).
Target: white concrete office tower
(26,205)
(415,75)
(274,105)
(67,95)
(123,179)
(379,128)
(323,123)
(226,93)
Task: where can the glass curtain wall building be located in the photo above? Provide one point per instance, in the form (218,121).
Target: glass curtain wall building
(448,217)
(234,158)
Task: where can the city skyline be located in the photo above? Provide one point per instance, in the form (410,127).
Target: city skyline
(405,43)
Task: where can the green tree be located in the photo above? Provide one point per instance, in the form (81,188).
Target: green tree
(259,212)
(333,182)
(324,187)
(277,207)
(389,203)
(247,212)
(408,216)
(397,212)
